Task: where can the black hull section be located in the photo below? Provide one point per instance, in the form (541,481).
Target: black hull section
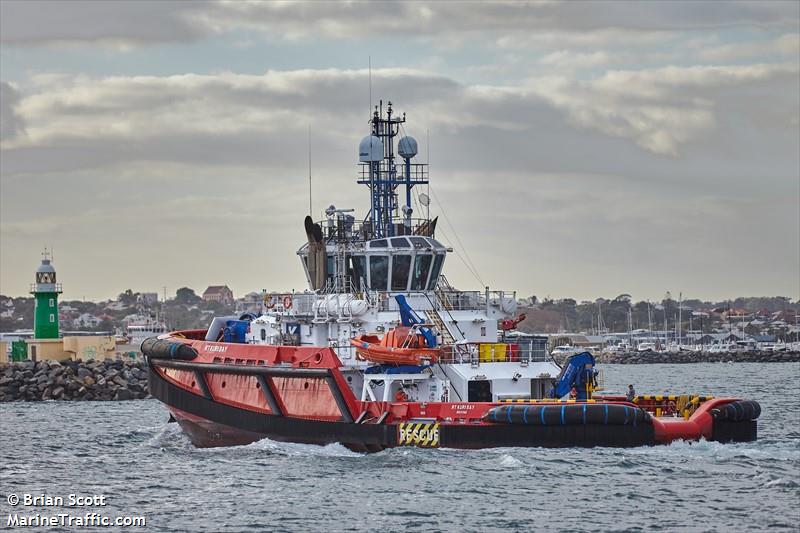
(588,436)
(223,425)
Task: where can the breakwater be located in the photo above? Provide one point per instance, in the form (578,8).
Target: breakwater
(73,380)
(685,357)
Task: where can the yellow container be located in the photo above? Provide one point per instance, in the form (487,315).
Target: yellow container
(485,353)
(500,352)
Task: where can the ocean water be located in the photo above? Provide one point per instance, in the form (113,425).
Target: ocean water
(144,466)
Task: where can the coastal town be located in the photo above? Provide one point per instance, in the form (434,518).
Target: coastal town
(615,326)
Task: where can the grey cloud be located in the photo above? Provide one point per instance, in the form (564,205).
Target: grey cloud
(131,22)
(11,124)
(122,21)
(232,149)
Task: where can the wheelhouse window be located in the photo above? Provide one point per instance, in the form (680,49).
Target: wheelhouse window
(380,243)
(401,265)
(420,242)
(400,242)
(330,267)
(358,269)
(378,272)
(422,264)
(437,268)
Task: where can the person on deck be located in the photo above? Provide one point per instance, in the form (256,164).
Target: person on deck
(401,396)
(631,394)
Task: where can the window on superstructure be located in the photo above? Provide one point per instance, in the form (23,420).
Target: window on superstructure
(422,264)
(437,268)
(378,272)
(401,265)
(380,243)
(358,268)
(420,242)
(400,242)
(330,266)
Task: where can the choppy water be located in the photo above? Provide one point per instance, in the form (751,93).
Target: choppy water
(146,467)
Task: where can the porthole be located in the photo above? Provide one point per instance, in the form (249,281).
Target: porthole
(305,385)
(223,384)
(258,385)
(193,384)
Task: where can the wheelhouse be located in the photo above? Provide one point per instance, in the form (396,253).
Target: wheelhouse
(410,263)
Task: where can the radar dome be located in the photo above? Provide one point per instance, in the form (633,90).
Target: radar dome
(407,147)
(370,149)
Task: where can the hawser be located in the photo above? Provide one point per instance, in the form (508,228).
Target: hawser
(382,351)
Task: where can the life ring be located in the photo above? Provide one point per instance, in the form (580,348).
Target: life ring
(269,301)
(287,302)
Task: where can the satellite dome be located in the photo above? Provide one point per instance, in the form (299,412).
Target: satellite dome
(407,147)
(370,149)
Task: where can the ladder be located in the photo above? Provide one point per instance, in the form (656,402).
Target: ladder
(436,320)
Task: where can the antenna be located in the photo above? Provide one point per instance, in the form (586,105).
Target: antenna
(369,107)
(310,207)
(428,165)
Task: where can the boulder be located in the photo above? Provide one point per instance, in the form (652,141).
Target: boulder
(123,394)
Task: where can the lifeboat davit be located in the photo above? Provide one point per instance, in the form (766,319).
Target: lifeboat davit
(400,346)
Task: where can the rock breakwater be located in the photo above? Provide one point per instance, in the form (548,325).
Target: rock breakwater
(73,380)
(685,357)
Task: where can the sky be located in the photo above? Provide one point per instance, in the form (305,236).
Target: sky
(577,149)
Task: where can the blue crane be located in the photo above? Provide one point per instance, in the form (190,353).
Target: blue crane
(577,372)
(410,318)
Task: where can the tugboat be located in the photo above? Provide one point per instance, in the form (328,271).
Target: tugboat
(381,351)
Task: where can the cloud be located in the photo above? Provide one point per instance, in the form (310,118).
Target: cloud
(786,45)
(660,108)
(119,23)
(134,22)
(568,59)
(11,124)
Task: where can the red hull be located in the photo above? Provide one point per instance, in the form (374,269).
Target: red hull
(231,394)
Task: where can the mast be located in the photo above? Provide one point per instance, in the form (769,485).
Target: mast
(379,172)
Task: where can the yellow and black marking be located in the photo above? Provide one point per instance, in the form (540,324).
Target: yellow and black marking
(423,434)
(672,397)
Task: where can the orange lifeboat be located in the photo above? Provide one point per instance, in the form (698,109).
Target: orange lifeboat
(400,346)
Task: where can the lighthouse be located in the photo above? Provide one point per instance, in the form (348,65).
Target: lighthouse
(45,292)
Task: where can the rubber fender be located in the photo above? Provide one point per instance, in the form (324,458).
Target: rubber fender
(737,411)
(572,414)
(156,348)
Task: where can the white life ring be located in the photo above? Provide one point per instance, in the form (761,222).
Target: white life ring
(287,302)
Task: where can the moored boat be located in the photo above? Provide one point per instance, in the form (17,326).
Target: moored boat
(382,351)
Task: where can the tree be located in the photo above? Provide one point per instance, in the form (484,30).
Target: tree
(128,298)
(185,295)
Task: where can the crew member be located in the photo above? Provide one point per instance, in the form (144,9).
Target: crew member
(631,394)
(401,395)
